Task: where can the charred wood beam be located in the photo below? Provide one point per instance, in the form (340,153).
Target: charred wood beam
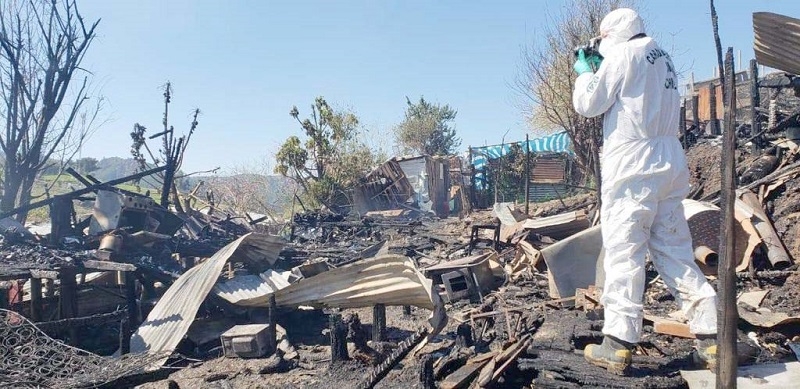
(36,299)
(338,333)
(130,297)
(68,300)
(379,372)
(755,101)
(378,322)
(426,380)
(727,314)
(83,180)
(103,318)
(81,192)
(107,265)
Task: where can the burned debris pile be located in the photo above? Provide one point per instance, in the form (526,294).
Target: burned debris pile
(390,297)
(412,285)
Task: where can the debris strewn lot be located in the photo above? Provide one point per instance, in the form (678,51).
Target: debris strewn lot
(408,291)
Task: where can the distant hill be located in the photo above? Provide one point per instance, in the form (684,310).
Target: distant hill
(268,189)
(114,167)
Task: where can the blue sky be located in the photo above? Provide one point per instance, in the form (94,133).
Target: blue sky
(245,63)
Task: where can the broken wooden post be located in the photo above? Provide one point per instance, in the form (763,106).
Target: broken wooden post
(527,173)
(727,316)
(695,114)
(130,296)
(713,124)
(338,332)
(36,299)
(426,379)
(682,125)
(464,335)
(124,336)
(61,210)
(755,102)
(272,331)
(68,299)
(4,298)
(378,322)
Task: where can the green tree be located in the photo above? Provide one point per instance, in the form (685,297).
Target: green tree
(331,159)
(85,165)
(427,129)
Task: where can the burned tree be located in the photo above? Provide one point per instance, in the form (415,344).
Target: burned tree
(169,155)
(546,79)
(45,113)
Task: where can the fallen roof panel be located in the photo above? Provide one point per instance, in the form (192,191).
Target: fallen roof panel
(777,41)
(174,313)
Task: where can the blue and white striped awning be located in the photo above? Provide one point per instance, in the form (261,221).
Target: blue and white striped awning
(556,143)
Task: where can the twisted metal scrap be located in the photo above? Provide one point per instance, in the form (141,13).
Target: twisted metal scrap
(31,359)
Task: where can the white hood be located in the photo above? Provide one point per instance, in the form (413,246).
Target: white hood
(617,27)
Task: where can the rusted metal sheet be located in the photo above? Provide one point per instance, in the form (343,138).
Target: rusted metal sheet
(549,170)
(777,41)
(169,320)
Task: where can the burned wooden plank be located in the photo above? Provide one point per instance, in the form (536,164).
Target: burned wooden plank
(108,265)
(338,334)
(378,322)
(68,299)
(103,318)
(380,371)
(36,299)
(41,273)
(729,318)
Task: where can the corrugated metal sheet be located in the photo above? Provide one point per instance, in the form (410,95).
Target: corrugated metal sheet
(544,192)
(551,169)
(169,320)
(389,280)
(559,226)
(777,41)
(240,290)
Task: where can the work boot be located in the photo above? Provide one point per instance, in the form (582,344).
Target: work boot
(706,351)
(613,354)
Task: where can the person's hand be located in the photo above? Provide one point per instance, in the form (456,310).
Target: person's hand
(594,62)
(582,64)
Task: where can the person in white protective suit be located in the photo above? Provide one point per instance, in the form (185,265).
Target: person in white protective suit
(644,179)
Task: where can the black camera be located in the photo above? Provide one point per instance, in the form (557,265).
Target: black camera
(590,49)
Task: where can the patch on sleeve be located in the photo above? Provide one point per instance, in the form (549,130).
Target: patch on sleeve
(593,84)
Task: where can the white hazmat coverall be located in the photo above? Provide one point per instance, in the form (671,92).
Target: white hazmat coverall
(644,178)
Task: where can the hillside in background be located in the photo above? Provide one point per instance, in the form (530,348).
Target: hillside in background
(241,192)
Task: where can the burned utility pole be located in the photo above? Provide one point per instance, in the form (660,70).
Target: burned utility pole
(727,316)
(527,174)
(755,102)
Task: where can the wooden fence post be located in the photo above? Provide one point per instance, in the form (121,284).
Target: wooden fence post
(727,317)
